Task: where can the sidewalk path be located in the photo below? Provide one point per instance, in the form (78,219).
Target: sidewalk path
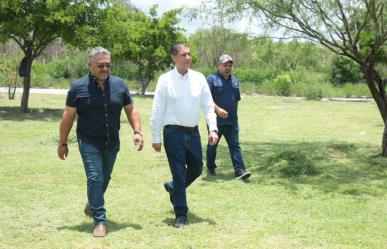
(64,91)
(37,90)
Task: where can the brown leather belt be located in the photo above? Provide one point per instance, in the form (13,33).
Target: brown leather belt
(182,128)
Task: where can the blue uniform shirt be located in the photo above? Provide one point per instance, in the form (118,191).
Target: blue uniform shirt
(98,111)
(226,95)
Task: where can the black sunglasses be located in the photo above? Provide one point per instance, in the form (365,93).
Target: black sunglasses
(102,65)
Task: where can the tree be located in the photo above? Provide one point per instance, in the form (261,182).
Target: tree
(34,24)
(144,40)
(356,29)
(151,47)
(217,38)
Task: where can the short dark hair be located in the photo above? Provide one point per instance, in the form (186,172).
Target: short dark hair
(175,48)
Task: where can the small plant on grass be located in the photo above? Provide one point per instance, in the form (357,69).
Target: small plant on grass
(291,163)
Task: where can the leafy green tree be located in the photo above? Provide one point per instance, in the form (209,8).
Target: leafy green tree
(34,24)
(342,26)
(144,40)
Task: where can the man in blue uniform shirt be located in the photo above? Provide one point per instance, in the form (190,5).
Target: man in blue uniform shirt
(97,99)
(225,92)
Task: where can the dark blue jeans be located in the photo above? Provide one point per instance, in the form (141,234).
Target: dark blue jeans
(98,167)
(184,152)
(231,133)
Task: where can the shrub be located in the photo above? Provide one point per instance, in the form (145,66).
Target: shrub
(345,70)
(256,75)
(314,92)
(69,67)
(282,84)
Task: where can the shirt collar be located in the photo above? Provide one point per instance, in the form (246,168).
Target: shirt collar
(179,75)
(93,79)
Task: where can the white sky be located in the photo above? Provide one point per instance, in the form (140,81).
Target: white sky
(191,26)
(164,5)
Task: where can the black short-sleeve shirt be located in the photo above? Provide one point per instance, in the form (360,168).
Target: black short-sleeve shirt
(99,111)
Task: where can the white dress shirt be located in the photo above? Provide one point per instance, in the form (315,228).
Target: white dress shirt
(178,99)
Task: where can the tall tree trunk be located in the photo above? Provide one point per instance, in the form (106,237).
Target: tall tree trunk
(384,141)
(373,80)
(144,86)
(26,84)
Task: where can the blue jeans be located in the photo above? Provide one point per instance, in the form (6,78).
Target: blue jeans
(98,167)
(231,133)
(184,152)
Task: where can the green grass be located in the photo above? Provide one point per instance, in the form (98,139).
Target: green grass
(342,205)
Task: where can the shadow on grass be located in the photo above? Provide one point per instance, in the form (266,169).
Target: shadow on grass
(343,168)
(192,219)
(35,114)
(87,227)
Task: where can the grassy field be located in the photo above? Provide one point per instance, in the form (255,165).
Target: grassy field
(341,205)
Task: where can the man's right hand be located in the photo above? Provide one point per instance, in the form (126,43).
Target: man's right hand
(157,147)
(221,112)
(62,151)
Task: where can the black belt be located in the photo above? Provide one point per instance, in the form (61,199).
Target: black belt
(182,128)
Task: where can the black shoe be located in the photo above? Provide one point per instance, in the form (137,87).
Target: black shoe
(211,172)
(169,188)
(242,174)
(181,221)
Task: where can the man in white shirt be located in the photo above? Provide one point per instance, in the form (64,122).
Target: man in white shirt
(179,95)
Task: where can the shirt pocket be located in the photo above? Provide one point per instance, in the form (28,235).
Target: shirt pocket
(217,90)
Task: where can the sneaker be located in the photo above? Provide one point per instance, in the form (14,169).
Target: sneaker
(211,172)
(169,188)
(181,221)
(242,174)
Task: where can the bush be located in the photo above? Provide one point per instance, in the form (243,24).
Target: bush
(314,92)
(256,75)
(308,77)
(70,67)
(282,84)
(345,70)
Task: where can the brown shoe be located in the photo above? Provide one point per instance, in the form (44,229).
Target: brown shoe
(100,230)
(87,210)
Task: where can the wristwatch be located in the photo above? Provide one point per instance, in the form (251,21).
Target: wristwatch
(137,132)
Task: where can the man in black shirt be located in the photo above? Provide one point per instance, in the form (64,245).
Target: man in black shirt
(98,99)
